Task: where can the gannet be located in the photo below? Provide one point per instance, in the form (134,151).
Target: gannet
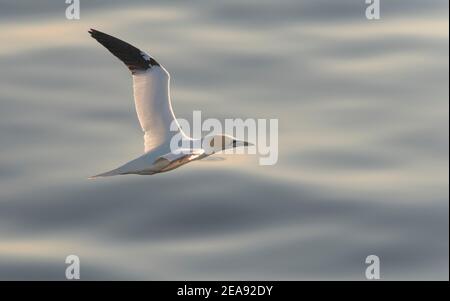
(154,110)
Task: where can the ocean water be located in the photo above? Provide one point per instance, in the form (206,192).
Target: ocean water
(363,168)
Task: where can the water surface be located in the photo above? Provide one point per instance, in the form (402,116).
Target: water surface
(363,141)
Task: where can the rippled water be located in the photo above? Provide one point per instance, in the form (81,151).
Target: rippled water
(363,148)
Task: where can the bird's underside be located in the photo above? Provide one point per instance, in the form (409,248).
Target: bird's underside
(152,162)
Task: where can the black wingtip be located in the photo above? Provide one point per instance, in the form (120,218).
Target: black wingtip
(133,58)
(95,33)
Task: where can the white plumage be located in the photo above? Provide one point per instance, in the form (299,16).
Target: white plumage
(151,89)
(154,110)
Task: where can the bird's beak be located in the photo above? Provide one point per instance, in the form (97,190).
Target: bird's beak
(237,143)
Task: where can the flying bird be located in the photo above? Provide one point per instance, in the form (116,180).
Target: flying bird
(154,110)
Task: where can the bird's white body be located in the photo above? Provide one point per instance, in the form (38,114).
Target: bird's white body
(151,89)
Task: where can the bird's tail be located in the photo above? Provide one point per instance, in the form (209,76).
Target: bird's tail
(132,167)
(110,173)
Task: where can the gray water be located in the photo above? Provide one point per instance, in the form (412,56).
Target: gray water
(363,141)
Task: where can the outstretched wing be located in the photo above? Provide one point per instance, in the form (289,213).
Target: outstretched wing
(151,90)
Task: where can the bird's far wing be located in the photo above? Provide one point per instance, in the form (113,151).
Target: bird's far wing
(151,90)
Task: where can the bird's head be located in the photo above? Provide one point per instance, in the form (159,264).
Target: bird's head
(221,142)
